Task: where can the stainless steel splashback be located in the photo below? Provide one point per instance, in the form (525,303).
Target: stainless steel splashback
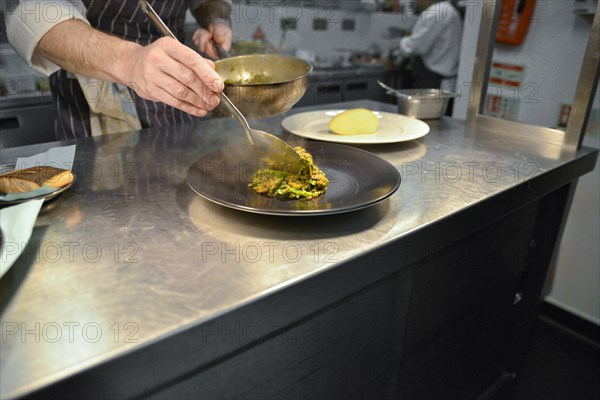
(588,80)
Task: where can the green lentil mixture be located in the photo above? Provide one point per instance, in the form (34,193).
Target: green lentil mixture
(308,183)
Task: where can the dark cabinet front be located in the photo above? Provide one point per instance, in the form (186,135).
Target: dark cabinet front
(334,88)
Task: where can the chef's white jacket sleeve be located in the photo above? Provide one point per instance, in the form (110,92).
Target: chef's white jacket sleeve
(427,30)
(28,21)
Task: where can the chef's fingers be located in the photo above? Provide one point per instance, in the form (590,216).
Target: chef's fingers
(210,62)
(184,94)
(161,88)
(210,50)
(169,99)
(221,34)
(196,35)
(199,38)
(188,57)
(202,39)
(186,85)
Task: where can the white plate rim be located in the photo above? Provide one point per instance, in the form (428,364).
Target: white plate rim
(45,197)
(291,123)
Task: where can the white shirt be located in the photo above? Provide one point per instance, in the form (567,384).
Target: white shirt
(28,22)
(436,38)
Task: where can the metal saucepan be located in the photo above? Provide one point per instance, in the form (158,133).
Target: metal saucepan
(263,85)
(420,103)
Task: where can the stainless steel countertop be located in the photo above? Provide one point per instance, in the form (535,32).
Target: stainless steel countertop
(130,255)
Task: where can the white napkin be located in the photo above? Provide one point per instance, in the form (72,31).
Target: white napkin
(16,223)
(57,157)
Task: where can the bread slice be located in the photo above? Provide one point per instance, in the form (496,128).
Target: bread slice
(25,180)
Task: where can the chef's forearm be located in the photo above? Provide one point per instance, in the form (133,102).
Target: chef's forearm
(208,11)
(76,47)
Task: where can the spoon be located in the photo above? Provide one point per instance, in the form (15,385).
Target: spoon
(270,148)
(395,92)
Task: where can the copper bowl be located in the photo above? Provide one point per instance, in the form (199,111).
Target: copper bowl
(263,85)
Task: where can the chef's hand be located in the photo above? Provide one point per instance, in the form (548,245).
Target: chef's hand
(171,73)
(218,31)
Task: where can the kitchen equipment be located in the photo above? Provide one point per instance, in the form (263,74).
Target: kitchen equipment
(369,60)
(391,90)
(326,60)
(420,103)
(25,102)
(265,145)
(358,179)
(283,81)
(514,20)
(424,103)
(393,128)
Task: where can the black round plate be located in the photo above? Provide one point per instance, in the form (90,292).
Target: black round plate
(357,179)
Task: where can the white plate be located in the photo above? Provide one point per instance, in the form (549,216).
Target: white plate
(392,128)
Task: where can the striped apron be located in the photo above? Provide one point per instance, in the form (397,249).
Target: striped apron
(124,19)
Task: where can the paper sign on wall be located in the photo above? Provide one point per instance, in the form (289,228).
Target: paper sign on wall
(502,99)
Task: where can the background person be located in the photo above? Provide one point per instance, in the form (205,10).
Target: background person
(434,45)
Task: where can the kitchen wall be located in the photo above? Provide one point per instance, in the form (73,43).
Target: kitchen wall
(369,32)
(552,54)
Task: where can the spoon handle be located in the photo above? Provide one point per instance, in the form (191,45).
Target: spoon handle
(237,115)
(161,26)
(153,16)
(221,52)
(393,91)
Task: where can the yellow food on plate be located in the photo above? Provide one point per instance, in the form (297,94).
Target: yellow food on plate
(357,121)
